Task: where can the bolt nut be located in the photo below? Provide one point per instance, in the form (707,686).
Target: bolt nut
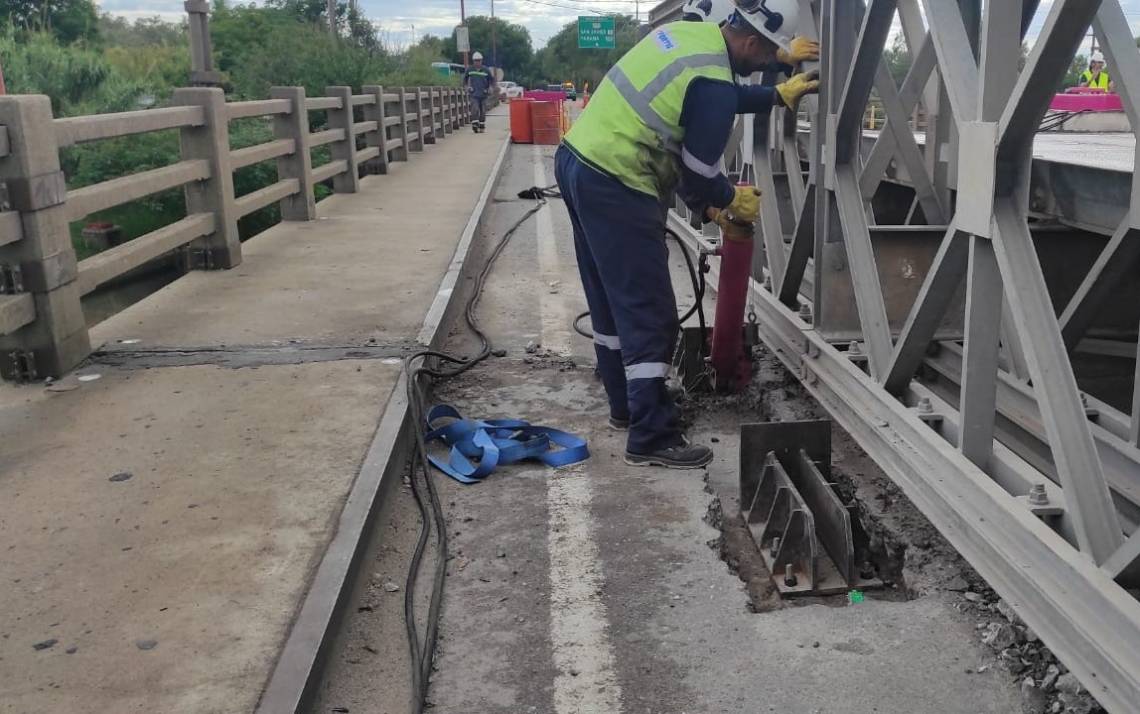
(1037,495)
(924,406)
(805,311)
(789,575)
(768,283)
(775,547)
(867,570)
(853,348)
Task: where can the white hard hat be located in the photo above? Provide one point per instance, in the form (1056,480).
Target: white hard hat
(775,19)
(1097,57)
(477,56)
(717,11)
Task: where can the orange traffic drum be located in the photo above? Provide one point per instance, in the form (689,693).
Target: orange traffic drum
(546,119)
(522,131)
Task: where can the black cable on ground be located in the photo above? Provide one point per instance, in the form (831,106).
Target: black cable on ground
(697,277)
(430,370)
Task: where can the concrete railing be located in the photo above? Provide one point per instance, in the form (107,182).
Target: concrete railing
(43,331)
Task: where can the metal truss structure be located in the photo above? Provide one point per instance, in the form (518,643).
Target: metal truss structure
(930,333)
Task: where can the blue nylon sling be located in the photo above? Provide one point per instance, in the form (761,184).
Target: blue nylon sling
(492,442)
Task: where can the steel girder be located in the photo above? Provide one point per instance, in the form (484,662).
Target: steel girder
(1014,418)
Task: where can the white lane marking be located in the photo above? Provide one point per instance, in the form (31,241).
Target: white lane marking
(583,655)
(556,317)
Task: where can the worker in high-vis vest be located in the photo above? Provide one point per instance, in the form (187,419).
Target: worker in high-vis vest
(658,124)
(1095,77)
(480,83)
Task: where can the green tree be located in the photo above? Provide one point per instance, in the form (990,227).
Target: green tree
(513,49)
(121,32)
(69,20)
(1073,75)
(561,60)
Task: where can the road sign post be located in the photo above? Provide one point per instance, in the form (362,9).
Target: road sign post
(596,33)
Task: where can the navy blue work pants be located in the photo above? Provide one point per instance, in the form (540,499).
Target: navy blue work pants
(619,237)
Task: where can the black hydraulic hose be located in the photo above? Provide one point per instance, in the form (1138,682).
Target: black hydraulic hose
(419,379)
(697,277)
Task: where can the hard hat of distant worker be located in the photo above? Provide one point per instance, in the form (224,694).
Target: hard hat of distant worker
(775,19)
(1097,57)
(477,57)
(717,11)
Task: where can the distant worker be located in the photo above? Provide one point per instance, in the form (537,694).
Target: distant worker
(480,82)
(663,114)
(1095,77)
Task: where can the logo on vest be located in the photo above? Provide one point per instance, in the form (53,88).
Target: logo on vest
(665,40)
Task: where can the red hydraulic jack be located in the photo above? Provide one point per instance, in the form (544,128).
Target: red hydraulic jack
(732,366)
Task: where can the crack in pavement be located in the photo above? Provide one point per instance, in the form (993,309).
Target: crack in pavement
(239,356)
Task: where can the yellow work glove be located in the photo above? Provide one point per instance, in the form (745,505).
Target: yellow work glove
(802,50)
(745,207)
(797,86)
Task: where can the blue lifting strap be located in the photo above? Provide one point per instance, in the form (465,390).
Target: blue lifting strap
(497,441)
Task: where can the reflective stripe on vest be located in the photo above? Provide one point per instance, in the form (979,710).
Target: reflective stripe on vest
(634,134)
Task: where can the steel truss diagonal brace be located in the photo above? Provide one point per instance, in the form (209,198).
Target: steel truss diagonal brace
(1078,464)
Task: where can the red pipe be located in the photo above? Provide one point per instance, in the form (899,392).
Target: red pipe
(732,368)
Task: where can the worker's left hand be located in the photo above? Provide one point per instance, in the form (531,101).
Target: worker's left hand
(797,86)
(802,50)
(744,209)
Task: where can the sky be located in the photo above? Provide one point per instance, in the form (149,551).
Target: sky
(403,21)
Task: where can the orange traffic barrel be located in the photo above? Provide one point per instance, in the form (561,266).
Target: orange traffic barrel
(546,118)
(522,130)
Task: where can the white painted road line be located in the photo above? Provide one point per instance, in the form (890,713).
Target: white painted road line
(556,317)
(579,632)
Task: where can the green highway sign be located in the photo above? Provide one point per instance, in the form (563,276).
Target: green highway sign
(596,33)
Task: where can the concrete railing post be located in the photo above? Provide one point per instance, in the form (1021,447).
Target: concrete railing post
(444,118)
(416,125)
(435,109)
(42,262)
(349,181)
(423,107)
(379,138)
(301,206)
(445,110)
(211,142)
(457,109)
(401,130)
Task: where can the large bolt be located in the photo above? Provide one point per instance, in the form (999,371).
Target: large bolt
(924,406)
(789,576)
(805,311)
(1038,495)
(853,349)
(768,283)
(775,547)
(867,570)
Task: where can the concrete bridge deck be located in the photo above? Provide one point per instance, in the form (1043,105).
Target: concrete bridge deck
(163,509)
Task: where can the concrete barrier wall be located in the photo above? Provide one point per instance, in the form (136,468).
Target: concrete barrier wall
(42,328)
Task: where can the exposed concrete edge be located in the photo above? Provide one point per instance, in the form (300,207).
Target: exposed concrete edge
(298,669)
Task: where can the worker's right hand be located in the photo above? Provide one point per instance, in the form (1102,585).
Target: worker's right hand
(745,206)
(797,86)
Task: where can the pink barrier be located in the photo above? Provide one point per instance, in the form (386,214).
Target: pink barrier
(541,95)
(1083,99)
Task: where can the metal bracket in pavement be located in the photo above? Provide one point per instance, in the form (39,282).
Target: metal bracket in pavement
(805,533)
